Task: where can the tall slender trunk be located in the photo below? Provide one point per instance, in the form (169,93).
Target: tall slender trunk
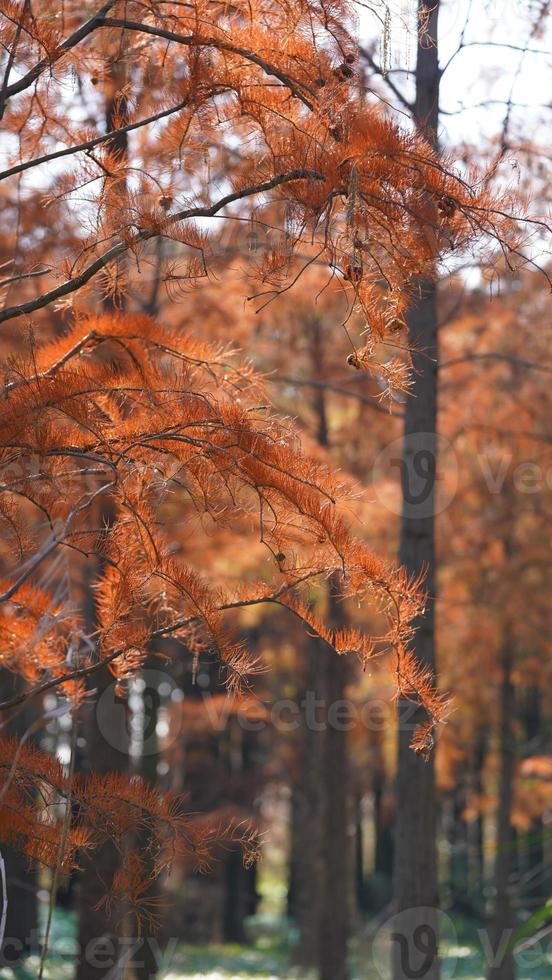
(502,924)
(321,893)
(147,962)
(105,730)
(334,918)
(21,935)
(476,826)
(307,847)
(361,897)
(458,870)
(415,873)
(321,862)
(537,873)
(107,744)
(383,805)
(240,882)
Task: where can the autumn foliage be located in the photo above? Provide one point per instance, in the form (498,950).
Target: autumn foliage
(113,428)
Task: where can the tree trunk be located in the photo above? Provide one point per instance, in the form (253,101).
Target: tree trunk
(99,933)
(240,883)
(106,733)
(361,897)
(458,870)
(147,962)
(383,809)
(537,875)
(415,872)
(476,826)
(502,925)
(307,847)
(320,850)
(21,935)
(334,919)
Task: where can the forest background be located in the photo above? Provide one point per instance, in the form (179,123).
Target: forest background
(387,832)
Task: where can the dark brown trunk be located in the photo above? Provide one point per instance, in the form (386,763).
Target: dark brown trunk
(415,871)
(537,875)
(105,730)
(21,935)
(320,846)
(100,936)
(146,959)
(240,882)
(307,854)
(476,826)
(381,884)
(361,891)
(334,918)
(502,966)
(457,835)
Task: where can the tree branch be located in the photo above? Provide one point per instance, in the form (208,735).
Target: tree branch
(72,285)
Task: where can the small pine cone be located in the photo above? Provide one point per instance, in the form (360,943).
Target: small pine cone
(353,273)
(343,72)
(447,206)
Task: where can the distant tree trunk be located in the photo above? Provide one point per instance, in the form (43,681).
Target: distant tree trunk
(147,965)
(333,929)
(475,828)
(334,919)
(537,875)
(236,899)
(307,846)
(99,932)
(502,924)
(458,848)
(321,893)
(361,897)
(240,883)
(107,742)
(415,873)
(21,935)
(383,813)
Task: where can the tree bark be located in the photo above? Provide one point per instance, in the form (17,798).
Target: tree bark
(502,924)
(321,865)
(537,873)
(21,935)
(147,962)
(415,871)
(476,827)
(307,847)
(334,919)
(107,743)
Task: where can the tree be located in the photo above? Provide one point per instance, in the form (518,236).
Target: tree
(118,412)
(415,869)
(77,431)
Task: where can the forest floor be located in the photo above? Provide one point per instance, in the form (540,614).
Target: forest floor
(268,957)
